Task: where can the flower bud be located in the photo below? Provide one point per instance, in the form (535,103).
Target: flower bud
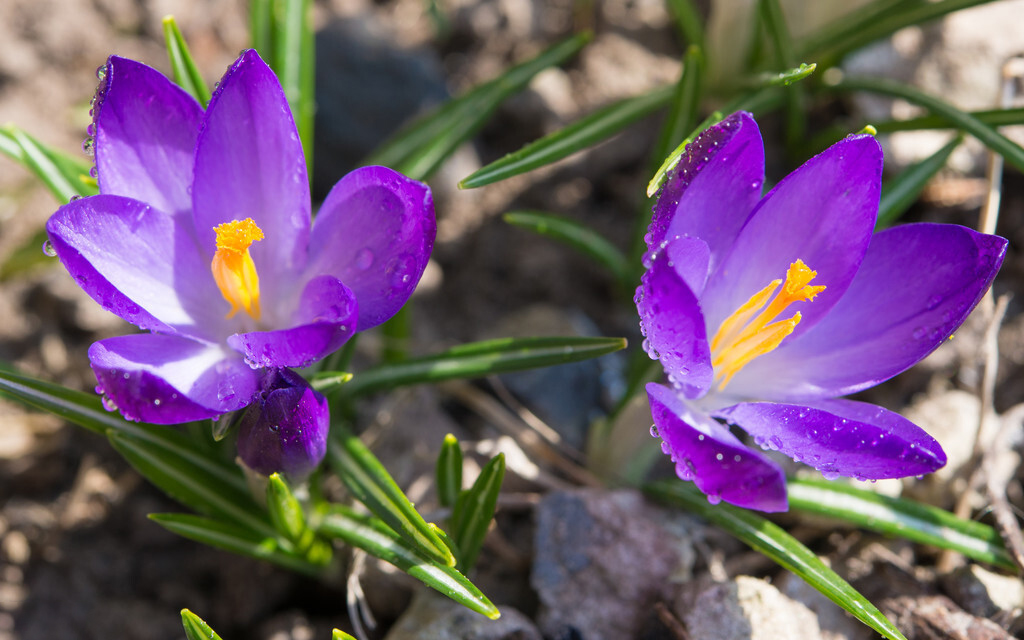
(285,428)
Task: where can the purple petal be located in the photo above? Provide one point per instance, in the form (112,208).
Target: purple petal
(163,379)
(671,318)
(285,430)
(707,453)
(146,128)
(917,284)
(325,320)
(249,164)
(147,261)
(375,232)
(841,437)
(822,213)
(713,189)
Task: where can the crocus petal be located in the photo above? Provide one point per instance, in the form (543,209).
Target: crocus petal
(671,318)
(841,437)
(164,379)
(146,128)
(285,429)
(249,164)
(325,320)
(713,189)
(374,232)
(148,262)
(707,453)
(917,284)
(823,213)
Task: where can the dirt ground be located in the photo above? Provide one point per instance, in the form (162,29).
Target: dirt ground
(78,557)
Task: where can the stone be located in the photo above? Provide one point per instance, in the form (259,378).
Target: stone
(746,608)
(984,593)
(435,617)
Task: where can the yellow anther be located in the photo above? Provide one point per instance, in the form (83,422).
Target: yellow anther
(233,268)
(742,337)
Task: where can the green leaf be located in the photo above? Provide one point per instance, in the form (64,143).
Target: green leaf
(901,518)
(991,117)
(474,511)
(338,634)
(477,359)
(186,74)
(286,513)
(689,21)
(1011,151)
(374,537)
(294,63)
(756,102)
(576,235)
(190,483)
(903,190)
(775,24)
(875,21)
(261,29)
(420,147)
(682,113)
(449,471)
(585,132)
(372,485)
(233,538)
(196,628)
(66,177)
(770,540)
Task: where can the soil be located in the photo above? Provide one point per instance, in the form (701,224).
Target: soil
(78,556)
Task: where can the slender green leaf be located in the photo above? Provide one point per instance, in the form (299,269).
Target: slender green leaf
(286,513)
(474,511)
(294,62)
(419,148)
(64,176)
(196,628)
(186,74)
(478,359)
(775,24)
(585,132)
(576,235)
(261,27)
(773,542)
(682,113)
(784,78)
(688,20)
(374,537)
(1011,151)
(900,517)
(396,333)
(338,634)
(874,22)
(991,117)
(372,485)
(189,483)
(449,471)
(903,190)
(756,102)
(233,538)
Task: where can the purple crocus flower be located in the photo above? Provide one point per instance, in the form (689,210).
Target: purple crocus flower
(763,311)
(202,235)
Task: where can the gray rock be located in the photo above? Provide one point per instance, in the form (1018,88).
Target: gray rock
(435,617)
(602,560)
(983,593)
(746,608)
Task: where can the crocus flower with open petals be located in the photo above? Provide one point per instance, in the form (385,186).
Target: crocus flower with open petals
(202,235)
(763,311)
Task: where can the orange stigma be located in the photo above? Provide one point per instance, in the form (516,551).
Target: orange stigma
(233,268)
(752,331)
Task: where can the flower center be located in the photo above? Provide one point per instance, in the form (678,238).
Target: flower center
(752,330)
(233,268)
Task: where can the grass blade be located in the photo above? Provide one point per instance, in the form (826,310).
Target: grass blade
(585,132)
(372,485)
(902,191)
(294,63)
(449,472)
(375,538)
(1011,151)
(476,359)
(235,539)
(474,511)
(899,517)
(770,540)
(576,235)
(64,176)
(991,117)
(196,628)
(186,75)
(420,147)
(688,20)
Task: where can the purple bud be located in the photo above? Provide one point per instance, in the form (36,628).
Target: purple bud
(285,428)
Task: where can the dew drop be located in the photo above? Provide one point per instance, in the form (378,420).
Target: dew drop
(933,302)
(654,431)
(108,404)
(94,172)
(48,249)
(90,130)
(714,498)
(919,333)
(774,443)
(88,145)
(157,402)
(75,197)
(829,474)
(364,259)
(127,376)
(101,72)
(275,428)
(719,457)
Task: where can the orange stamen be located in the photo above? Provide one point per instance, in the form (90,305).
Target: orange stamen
(233,268)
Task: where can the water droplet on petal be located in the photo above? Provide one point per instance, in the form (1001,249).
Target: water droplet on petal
(88,145)
(364,259)
(157,402)
(101,72)
(933,302)
(919,333)
(714,498)
(49,249)
(829,474)
(719,457)
(654,431)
